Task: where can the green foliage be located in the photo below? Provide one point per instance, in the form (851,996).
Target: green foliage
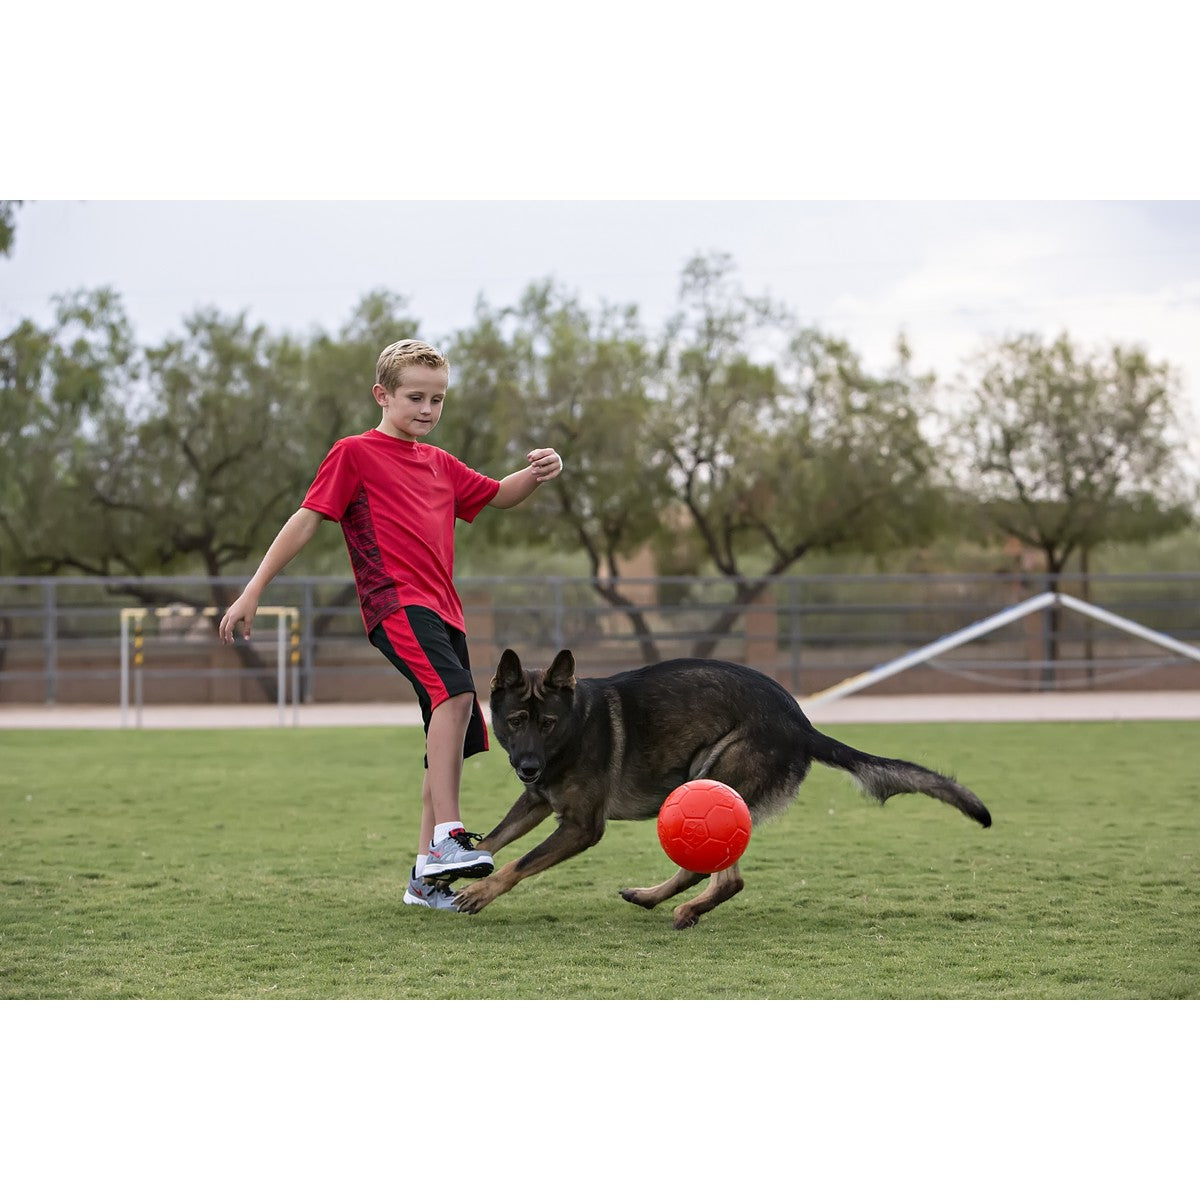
(785,452)
(1175,552)
(806,452)
(547,372)
(219,455)
(64,394)
(8,225)
(185,456)
(271,863)
(1067,451)
(26,473)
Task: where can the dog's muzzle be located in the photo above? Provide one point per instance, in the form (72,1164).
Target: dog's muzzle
(529,770)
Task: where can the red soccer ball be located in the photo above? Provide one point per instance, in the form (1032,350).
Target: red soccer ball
(704,826)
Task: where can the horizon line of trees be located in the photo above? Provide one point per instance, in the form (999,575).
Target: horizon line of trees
(734,439)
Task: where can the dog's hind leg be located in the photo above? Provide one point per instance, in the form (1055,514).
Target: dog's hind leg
(649,897)
(723,886)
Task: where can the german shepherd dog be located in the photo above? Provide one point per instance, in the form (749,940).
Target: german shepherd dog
(597,750)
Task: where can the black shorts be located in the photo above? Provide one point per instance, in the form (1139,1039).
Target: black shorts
(432,656)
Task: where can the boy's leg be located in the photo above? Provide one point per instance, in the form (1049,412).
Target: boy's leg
(433,657)
(444,751)
(427,821)
(451,854)
(432,892)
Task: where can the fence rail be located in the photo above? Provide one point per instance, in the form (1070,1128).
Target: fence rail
(60,638)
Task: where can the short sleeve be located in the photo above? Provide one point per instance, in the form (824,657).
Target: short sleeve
(473,492)
(337,481)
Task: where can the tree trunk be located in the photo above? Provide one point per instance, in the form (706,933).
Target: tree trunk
(744,596)
(634,615)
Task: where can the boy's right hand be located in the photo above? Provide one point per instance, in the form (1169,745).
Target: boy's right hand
(242,609)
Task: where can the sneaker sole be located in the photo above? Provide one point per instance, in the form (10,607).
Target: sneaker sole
(452,871)
(409,898)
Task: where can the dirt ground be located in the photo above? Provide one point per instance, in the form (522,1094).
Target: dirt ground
(860,709)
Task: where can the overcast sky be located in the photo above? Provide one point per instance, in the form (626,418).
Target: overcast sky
(946,273)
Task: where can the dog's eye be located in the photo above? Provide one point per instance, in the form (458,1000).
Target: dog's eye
(547,723)
(517,719)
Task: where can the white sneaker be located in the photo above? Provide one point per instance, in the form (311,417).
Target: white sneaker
(427,894)
(455,858)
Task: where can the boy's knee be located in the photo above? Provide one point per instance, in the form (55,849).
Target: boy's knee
(458,706)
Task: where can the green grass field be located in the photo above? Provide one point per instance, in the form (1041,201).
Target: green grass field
(271,863)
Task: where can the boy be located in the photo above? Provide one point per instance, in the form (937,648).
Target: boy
(397,499)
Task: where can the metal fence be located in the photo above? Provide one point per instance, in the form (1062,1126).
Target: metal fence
(60,638)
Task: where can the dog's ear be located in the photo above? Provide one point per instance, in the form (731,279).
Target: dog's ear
(562,670)
(508,673)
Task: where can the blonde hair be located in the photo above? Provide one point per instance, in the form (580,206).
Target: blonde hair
(397,356)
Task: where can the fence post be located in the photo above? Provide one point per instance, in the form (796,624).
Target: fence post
(1050,640)
(794,630)
(559,623)
(760,633)
(138,662)
(281,663)
(306,641)
(124,670)
(50,638)
(294,659)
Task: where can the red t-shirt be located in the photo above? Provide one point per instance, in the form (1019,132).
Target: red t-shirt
(396,502)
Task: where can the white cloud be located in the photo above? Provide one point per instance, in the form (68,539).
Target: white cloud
(1100,273)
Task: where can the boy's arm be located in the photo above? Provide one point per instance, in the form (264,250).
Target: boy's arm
(289,541)
(544,465)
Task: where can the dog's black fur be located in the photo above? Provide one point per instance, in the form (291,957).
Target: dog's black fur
(594,750)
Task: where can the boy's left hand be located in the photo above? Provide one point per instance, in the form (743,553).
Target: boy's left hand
(546,464)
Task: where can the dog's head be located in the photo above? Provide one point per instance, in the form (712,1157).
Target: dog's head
(531,711)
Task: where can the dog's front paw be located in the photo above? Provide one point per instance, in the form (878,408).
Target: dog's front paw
(475,896)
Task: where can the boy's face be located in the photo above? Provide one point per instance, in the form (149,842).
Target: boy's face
(415,407)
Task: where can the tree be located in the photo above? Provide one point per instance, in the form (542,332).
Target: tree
(62,388)
(787,450)
(739,442)
(188,456)
(547,372)
(27,428)
(1067,450)
(8,225)
(144,464)
(191,454)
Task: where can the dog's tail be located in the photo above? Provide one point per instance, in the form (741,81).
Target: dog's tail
(884,777)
